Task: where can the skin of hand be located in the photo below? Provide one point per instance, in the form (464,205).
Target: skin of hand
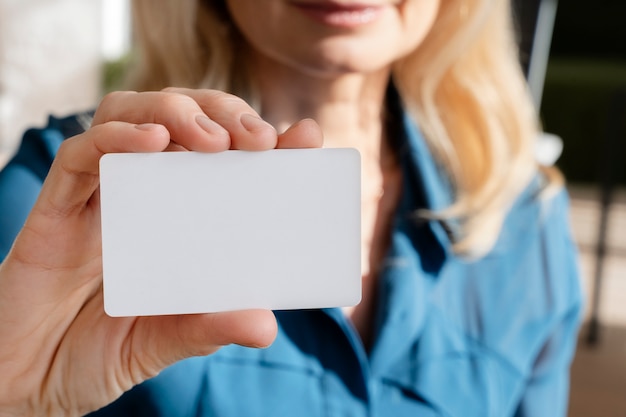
(60,354)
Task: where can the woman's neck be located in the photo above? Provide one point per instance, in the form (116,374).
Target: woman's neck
(348,108)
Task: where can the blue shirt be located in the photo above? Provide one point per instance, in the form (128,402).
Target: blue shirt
(487,338)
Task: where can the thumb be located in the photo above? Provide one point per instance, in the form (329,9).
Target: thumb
(303,134)
(168,339)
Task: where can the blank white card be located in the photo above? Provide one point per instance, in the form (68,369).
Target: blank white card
(187,232)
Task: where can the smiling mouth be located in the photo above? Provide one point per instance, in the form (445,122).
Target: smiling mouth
(345,16)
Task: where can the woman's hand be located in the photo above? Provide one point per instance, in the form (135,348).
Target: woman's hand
(60,354)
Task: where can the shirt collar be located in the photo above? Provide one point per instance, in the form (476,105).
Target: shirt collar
(418,252)
(433,182)
(426,186)
(419,247)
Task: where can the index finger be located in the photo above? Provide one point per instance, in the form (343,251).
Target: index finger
(187,123)
(74,175)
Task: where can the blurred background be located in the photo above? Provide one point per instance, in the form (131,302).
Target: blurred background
(584,102)
(53,58)
(60,56)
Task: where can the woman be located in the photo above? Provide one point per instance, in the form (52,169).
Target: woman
(470,294)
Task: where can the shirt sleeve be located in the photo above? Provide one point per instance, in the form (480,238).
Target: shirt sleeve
(547,388)
(22,178)
(547,391)
(19,188)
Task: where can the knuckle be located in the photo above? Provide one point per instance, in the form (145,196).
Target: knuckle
(171,90)
(108,103)
(229,100)
(114,97)
(220,99)
(173,101)
(64,147)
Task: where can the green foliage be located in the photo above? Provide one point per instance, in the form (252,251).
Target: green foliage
(114,74)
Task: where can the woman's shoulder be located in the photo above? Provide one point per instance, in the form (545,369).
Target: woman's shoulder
(39,145)
(22,177)
(535,253)
(511,299)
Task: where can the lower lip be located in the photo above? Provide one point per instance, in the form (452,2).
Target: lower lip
(342,17)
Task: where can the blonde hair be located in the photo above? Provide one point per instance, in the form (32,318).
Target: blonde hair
(466,89)
(463,86)
(187,43)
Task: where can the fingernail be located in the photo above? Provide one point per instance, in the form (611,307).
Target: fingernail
(253,123)
(208,125)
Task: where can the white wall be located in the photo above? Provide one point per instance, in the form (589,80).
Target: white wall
(115,28)
(51,54)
